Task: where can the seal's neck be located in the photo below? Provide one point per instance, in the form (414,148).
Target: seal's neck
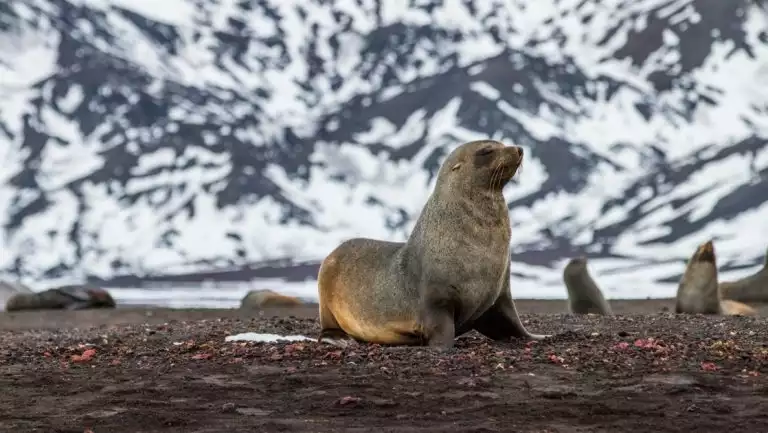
(701,277)
(476,210)
(483,207)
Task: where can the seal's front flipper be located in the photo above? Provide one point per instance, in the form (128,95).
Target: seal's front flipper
(441,332)
(501,322)
(439,328)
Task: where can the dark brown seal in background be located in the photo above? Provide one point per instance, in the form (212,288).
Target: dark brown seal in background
(698,292)
(584,297)
(451,276)
(70,297)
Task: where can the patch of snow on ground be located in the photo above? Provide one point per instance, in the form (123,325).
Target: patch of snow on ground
(265,338)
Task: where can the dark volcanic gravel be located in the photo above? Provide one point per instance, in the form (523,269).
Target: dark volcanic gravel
(636,373)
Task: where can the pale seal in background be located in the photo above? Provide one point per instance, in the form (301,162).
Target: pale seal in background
(584,297)
(753,288)
(698,292)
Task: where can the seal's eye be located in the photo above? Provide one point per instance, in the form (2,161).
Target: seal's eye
(484,151)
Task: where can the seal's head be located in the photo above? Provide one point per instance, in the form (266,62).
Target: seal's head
(705,253)
(702,266)
(21,301)
(576,264)
(484,164)
(579,261)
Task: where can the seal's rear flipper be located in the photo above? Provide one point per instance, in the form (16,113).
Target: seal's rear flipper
(77,305)
(335,337)
(501,322)
(342,344)
(75,299)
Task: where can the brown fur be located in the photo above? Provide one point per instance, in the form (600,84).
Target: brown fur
(21,301)
(584,297)
(451,276)
(256,299)
(733,308)
(753,288)
(72,297)
(699,292)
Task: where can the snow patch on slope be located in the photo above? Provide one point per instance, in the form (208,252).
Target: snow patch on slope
(211,133)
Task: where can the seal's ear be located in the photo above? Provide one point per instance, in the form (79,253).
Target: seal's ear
(456,166)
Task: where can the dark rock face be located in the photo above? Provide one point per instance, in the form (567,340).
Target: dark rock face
(195,134)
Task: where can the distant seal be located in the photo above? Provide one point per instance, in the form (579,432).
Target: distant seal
(449,277)
(256,299)
(698,291)
(753,288)
(584,297)
(70,297)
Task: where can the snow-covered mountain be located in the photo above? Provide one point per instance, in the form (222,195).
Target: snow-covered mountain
(147,137)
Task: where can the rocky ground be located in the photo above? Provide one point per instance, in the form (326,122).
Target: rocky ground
(154,370)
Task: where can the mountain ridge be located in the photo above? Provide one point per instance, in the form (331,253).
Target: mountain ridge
(234,132)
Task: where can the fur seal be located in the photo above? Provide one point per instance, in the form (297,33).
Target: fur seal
(698,292)
(71,297)
(449,277)
(584,297)
(256,299)
(753,288)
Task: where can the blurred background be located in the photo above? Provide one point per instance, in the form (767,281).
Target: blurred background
(184,152)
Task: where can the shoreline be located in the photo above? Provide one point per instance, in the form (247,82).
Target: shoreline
(155,315)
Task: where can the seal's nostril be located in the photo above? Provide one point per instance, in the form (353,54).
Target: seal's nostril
(519,150)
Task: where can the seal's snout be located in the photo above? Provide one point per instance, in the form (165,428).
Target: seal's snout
(580,260)
(512,155)
(516,155)
(706,252)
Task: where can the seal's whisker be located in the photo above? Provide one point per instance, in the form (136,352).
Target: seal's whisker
(496,176)
(518,170)
(490,178)
(502,167)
